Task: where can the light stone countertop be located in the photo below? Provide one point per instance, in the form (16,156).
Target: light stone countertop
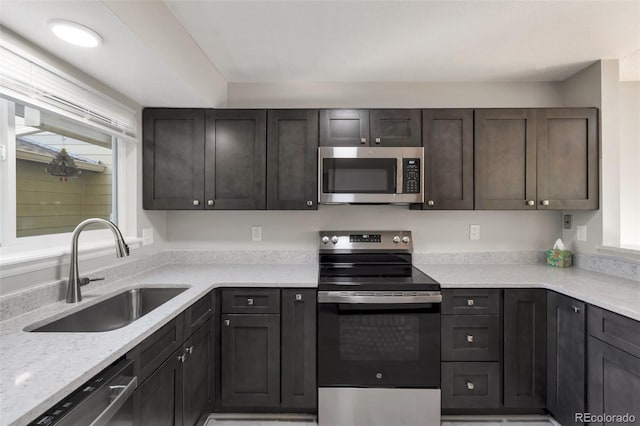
(618,295)
(39,369)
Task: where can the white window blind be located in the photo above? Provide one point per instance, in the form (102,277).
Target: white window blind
(23,79)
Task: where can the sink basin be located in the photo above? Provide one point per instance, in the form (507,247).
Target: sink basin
(114,312)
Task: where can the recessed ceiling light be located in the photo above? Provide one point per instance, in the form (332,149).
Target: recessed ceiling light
(75,33)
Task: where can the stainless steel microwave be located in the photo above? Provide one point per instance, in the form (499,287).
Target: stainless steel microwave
(370,175)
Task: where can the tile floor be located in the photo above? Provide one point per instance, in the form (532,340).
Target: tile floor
(458,422)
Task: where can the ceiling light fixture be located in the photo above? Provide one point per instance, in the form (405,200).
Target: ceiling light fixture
(74,33)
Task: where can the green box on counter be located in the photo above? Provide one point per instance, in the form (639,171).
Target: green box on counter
(559,258)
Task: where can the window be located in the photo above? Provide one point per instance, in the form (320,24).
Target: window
(63,172)
(52,197)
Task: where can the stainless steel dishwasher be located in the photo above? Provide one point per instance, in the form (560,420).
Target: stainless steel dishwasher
(103,400)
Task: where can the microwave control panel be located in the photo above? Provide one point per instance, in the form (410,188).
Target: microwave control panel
(411,177)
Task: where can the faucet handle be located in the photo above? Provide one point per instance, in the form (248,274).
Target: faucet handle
(86,280)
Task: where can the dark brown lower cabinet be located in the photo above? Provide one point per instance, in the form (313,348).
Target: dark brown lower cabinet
(474,385)
(566,358)
(250,360)
(525,348)
(298,378)
(197,377)
(614,383)
(158,400)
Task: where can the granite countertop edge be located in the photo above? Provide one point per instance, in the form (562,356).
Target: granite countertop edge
(32,379)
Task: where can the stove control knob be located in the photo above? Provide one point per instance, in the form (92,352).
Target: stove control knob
(334,239)
(396,239)
(325,239)
(405,240)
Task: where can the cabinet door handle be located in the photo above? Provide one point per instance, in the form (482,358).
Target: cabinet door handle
(189,350)
(545,202)
(431,203)
(470,385)
(196,202)
(298,297)
(250,301)
(181,358)
(211,202)
(531,203)
(470,338)
(378,140)
(575,309)
(227,322)
(363,140)
(309,203)
(470,302)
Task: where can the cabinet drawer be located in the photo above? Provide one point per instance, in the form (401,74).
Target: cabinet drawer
(471,337)
(251,301)
(471,302)
(471,385)
(155,349)
(619,331)
(198,313)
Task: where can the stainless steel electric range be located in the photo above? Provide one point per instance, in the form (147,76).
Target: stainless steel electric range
(378,332)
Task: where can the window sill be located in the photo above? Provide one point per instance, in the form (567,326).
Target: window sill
(630,251)
(25,261)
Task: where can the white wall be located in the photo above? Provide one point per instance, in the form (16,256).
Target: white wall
(629,111)
(434,231)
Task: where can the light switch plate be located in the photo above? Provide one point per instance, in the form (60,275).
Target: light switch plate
(581,231)
(474,232)
(147,236)
(256,233)
(566,221)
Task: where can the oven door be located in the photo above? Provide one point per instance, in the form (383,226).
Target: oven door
(371,343)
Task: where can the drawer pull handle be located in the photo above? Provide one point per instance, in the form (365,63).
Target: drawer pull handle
(181,358)
(575,309)
(470,302)
(189,350)
(250,301)
(227,322)
(470,385)
(363,140)
(298,296)
(470,338)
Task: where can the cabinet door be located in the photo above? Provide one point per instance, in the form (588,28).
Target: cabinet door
(447,137)
(566,372)
(567,158)
(173,162)
(505,159)
(158,400)
(299,349)
(344,127)
(250,361)
(197,376)
(525,348)
(292,159)
(614,382)
(395,127)
(235,160)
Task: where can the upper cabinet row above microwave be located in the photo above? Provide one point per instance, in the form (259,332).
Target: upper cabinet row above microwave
(492,159)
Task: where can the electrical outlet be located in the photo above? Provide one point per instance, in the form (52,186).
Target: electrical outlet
(474,232)
(566,221)
(581,232)
(147,236)
(256,233)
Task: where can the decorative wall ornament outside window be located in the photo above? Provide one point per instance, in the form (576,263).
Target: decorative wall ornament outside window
(63,165)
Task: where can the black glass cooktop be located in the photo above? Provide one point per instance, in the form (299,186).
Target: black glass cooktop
(374,277)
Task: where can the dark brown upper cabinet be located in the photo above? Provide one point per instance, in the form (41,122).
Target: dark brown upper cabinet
(447,137)
(173,160)
(292,159)
(395,127)
(363,127)
(505,159)
(344,127)
(235,159)
(568,159)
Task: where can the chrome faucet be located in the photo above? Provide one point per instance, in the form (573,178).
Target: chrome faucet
(75,281)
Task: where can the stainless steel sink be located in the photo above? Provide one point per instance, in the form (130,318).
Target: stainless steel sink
(114,312)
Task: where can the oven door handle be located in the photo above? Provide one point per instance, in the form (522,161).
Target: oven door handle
(419,308)
(329,297)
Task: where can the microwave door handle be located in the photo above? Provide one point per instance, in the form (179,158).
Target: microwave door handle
(399,174)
